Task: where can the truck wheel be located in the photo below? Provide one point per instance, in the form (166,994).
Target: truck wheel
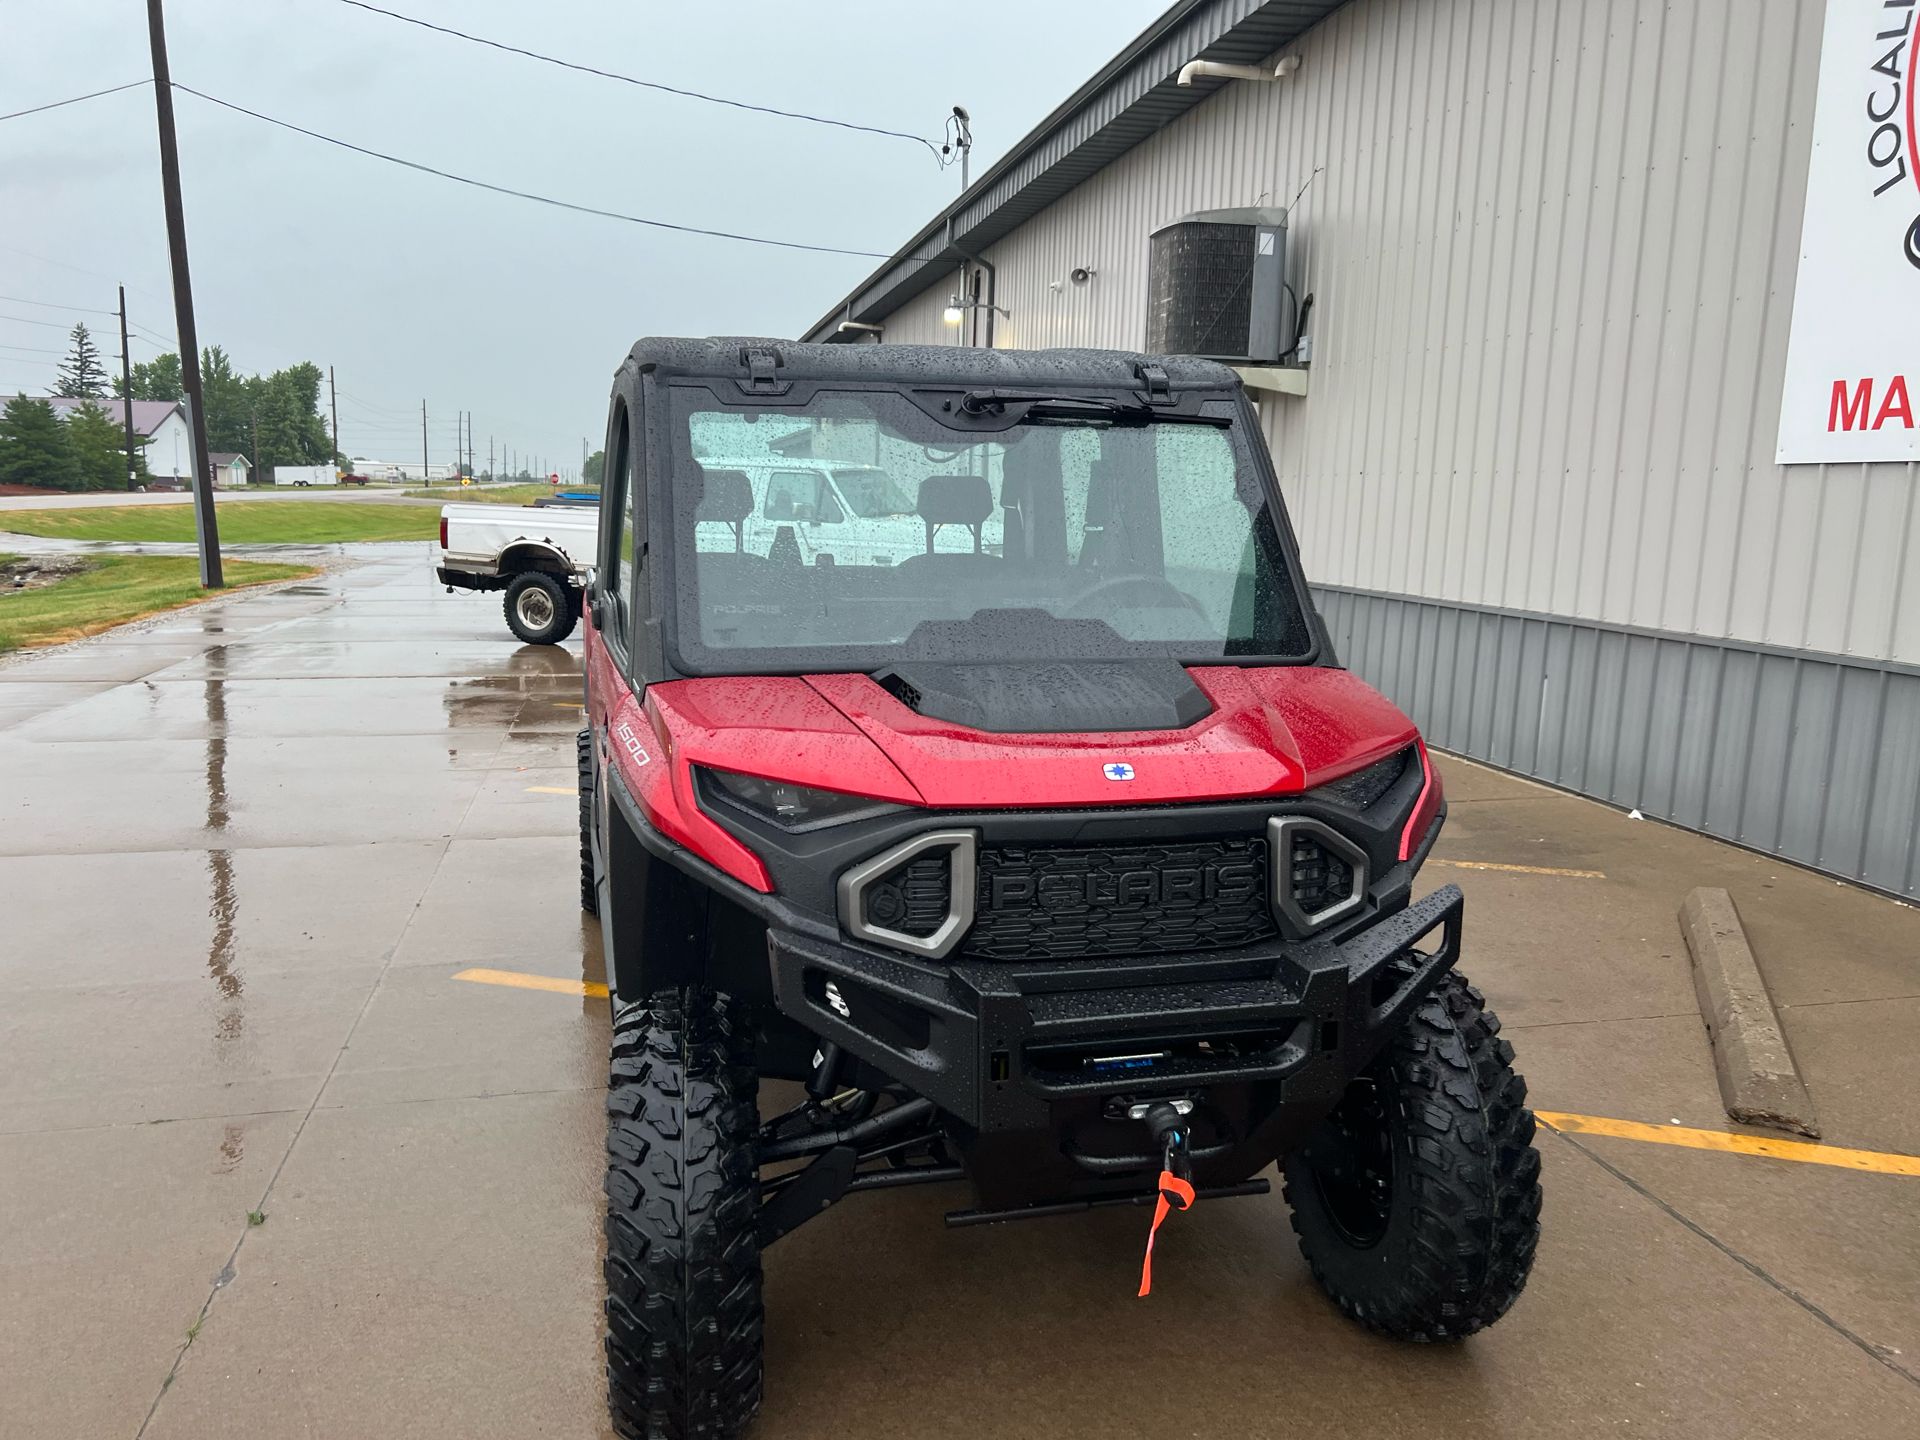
(583,769)
(539,610)
(1417,1202)
(684,1310)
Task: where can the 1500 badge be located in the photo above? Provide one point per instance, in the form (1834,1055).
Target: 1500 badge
(630,742)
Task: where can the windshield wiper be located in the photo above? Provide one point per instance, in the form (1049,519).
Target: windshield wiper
(983,402)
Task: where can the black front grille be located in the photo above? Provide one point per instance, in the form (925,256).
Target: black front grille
(1060,902)
(1319,878)
(911,898)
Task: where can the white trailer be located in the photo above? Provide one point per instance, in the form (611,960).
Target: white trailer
(397,472)
(303,475)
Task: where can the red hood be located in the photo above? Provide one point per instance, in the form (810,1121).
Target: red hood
(1273,730)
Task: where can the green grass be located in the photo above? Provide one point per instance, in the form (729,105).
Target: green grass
(114,590)
(492,494)
(242,522)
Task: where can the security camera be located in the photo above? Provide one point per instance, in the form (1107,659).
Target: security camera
(1080,274)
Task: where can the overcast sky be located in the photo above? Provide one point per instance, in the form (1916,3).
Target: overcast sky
(415,287)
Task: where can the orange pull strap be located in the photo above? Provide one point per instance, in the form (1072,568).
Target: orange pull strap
(1173,1192)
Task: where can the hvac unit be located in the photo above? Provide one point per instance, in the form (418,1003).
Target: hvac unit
(1216,286)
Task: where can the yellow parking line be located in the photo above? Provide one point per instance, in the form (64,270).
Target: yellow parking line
(520,981)
(551,790)
(1521,869)
(568,705)
(1879,1161)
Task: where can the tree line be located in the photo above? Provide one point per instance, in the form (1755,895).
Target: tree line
(272,419)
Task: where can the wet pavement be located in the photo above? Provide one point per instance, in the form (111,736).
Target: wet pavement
(245,849)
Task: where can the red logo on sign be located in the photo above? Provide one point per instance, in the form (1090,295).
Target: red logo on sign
(1849,408)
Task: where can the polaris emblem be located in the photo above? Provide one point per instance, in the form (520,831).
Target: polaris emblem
(1118,770)
(838,1001)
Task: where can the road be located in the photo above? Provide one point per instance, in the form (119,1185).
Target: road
(96,499)
(247,850)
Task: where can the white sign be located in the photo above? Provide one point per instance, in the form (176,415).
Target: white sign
(1855,345)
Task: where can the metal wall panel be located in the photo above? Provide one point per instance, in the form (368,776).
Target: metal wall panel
(1552,247)
(1812,757)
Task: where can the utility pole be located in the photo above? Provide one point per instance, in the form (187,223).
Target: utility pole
(489,457)
(963,142)
(423,443)
(205,525)
(126,384)
(333,398)
(254,420)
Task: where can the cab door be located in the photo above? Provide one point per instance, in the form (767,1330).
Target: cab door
(609,617)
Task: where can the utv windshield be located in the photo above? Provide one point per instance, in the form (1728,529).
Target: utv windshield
(867,530)
(873,492)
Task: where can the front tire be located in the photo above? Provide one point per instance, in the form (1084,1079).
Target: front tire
(583,771)
(1417,1202)
(684,1310)
(540,610)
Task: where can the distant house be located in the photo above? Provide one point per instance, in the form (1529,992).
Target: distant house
(161,425)
(229,469)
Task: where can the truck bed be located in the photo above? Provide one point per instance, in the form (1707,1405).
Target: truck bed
(482,546)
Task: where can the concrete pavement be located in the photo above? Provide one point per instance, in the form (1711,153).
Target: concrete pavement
(244,850)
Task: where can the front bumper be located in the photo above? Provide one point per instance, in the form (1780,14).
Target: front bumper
(1000,1046)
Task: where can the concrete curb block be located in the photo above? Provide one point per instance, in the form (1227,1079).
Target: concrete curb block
(1759,1082)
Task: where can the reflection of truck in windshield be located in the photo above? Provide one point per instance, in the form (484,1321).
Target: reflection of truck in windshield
(858,514)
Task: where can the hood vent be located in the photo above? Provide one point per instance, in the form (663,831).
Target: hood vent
(1050,697)
(898,686)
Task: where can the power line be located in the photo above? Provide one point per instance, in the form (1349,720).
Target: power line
(527,194)
(648,84)
(27,320)
(78,269)
(74,100)
(32,350)
(369,405)
(49,305)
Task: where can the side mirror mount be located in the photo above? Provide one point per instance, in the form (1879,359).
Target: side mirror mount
(601,611)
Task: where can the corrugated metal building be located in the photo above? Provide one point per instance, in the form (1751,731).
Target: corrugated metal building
(1552,251)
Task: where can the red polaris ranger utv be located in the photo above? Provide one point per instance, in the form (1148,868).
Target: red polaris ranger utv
(964,747)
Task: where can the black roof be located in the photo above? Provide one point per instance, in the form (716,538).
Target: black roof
(724,356)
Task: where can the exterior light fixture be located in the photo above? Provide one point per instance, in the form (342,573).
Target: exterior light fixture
(957,309)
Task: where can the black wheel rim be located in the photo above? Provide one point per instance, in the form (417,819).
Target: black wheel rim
(1352,1160)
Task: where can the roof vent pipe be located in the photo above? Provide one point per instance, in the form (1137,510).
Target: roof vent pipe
(1219,70)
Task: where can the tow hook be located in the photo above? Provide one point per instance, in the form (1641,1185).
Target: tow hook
(1166,1121)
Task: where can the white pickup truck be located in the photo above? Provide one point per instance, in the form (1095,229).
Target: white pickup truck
(541,555)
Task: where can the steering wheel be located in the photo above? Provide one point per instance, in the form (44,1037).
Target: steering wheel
(1115,585)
